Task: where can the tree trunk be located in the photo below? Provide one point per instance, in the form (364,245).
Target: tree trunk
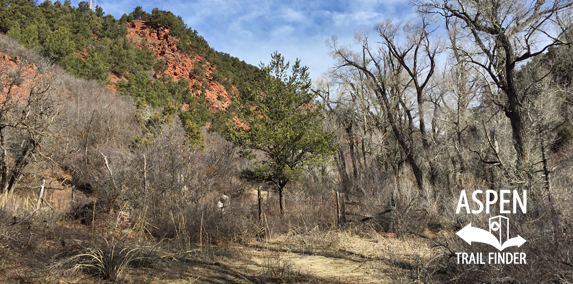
(259,203)
(513,112)
(21,162)
(3,165)
(418,174)
(337,197)
(341,165)
(281,199)
(546,172)
(350,133)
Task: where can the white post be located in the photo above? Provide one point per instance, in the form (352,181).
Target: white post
(41,195)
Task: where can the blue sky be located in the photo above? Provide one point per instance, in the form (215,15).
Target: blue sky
(253,29)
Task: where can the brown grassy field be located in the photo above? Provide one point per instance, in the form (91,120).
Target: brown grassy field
(39,256)
(49,247)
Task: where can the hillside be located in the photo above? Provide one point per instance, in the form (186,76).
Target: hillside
(153,57)
(94,200)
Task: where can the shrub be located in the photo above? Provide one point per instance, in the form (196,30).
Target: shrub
(106,259)
(564,138)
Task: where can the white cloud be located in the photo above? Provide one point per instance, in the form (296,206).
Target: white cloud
(291,15)
(282,32)
(357,19)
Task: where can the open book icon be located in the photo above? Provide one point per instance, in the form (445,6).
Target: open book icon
(472,234)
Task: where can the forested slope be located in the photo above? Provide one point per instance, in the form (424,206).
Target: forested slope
(154,57)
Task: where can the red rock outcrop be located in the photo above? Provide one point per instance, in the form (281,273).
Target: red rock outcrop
(180,65)
(16,78)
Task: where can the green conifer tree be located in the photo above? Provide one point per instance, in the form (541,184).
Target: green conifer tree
(284,123)
(15,32)
(30,36)
(59,44)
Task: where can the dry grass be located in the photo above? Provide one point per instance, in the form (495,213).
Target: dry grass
(106,259)
(299,255)
(313,257)
(32,248)
(340,256)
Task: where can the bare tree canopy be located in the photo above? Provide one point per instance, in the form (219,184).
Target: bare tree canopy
(396,73)
(496,36)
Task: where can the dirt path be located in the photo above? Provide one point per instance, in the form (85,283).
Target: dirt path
(330,269)
(349,260)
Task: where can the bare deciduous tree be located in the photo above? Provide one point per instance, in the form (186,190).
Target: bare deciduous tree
(27,110)
(498,35)
(394,75)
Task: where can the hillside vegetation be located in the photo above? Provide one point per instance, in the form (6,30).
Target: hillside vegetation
(153,57)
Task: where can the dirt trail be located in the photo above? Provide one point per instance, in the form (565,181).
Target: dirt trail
(327,268)
(346,259)
(268,266)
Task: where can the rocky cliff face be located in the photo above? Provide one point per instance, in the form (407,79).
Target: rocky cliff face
(16,78)
(179,65)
